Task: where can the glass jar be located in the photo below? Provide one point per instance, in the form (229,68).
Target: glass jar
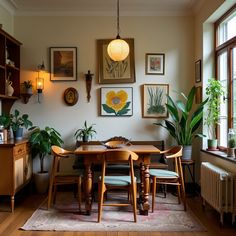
(1,133)
(231,139)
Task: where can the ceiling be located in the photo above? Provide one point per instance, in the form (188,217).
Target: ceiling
(102,7)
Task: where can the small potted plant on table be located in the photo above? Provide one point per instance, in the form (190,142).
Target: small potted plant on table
(86,132)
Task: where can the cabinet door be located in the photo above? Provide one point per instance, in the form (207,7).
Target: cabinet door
(19,172)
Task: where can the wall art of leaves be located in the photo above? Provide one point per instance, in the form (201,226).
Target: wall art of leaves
(116,101)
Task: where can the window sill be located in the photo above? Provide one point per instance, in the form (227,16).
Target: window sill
(221,155)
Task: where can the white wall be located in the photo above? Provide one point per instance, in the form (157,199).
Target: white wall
(173,36)
(7,20)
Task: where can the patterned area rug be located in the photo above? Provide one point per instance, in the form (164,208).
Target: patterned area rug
(64,216)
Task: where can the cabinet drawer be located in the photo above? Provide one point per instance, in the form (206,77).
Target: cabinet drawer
(19,150)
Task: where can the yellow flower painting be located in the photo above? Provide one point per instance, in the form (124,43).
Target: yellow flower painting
(116,101)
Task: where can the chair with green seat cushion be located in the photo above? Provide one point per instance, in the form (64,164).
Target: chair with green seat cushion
(159,176)
(58,177)
(127,182)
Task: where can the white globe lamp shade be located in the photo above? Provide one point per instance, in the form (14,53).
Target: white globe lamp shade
(118,49)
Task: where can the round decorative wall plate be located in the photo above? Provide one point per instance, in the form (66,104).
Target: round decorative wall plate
(71,96)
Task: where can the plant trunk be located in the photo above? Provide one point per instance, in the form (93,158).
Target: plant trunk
(41,157)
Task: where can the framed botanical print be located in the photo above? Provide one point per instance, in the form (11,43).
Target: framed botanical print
(155,64)
(114,72)
(63,63)
(116,101)
(154,100)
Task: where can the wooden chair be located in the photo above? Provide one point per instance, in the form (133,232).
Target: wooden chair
(61,178)
(168,177)
(127,182)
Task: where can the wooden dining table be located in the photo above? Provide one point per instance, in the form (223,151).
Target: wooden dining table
(91,155)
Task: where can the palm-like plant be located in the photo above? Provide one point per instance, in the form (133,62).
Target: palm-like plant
(185,121)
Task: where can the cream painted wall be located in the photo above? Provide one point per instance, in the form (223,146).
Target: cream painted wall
(7,20)
(173,36)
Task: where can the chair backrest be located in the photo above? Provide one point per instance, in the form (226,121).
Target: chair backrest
(58,153)
(175,153)
(117,157)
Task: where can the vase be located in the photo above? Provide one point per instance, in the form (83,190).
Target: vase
(18,134)
(10,89)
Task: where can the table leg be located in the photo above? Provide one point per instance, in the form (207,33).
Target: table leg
(88,189)
(144,189)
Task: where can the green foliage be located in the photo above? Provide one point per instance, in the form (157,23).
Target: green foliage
(155,101)
(185,120)
(5,121)
(18,121)
(41,141)
(27,84)
(85,132)
(232,143)
(214,91)
(121,112)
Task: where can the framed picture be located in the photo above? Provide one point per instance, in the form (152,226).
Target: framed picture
(155,64)
(63,63)
(113,72)
(154,100)
(116,101)
(198,71)
(198,95)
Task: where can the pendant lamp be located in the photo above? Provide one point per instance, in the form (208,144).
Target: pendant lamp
(118,49)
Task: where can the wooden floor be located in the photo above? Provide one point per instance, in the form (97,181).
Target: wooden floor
(26,204)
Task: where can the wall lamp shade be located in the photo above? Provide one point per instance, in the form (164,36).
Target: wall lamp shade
(40,84)
(118,49)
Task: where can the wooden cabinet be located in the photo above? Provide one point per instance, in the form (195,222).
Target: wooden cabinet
(9,69)
(15,168)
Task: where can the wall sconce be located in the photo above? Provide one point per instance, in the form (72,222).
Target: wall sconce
(40,80)
(88,78)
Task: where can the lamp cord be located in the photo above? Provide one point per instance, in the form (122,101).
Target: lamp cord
(118,19)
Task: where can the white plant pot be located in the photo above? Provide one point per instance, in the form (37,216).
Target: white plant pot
(187,153)
(41,182)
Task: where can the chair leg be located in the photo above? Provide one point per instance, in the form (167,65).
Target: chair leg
(100,201)
(54,193)
(154,183)
(179,194)
(134,200)
(50,194)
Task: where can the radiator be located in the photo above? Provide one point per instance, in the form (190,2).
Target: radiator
(218,189)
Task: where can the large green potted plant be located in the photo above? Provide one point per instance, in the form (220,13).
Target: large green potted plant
(86,132)
(18,122)
(41,141)
(185,121)
(215,91)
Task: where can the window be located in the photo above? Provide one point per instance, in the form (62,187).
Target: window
(225,52)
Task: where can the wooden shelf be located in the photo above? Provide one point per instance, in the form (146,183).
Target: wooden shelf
(26,97)
(10,49)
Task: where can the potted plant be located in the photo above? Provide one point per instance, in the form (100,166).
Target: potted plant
(5,122)
(231,147)
(18,122)
(28,86)
(41,141)
(85,132)
(214,91)
(185,121)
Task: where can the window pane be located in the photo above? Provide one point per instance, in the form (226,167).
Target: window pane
(227,28)
(222,76)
